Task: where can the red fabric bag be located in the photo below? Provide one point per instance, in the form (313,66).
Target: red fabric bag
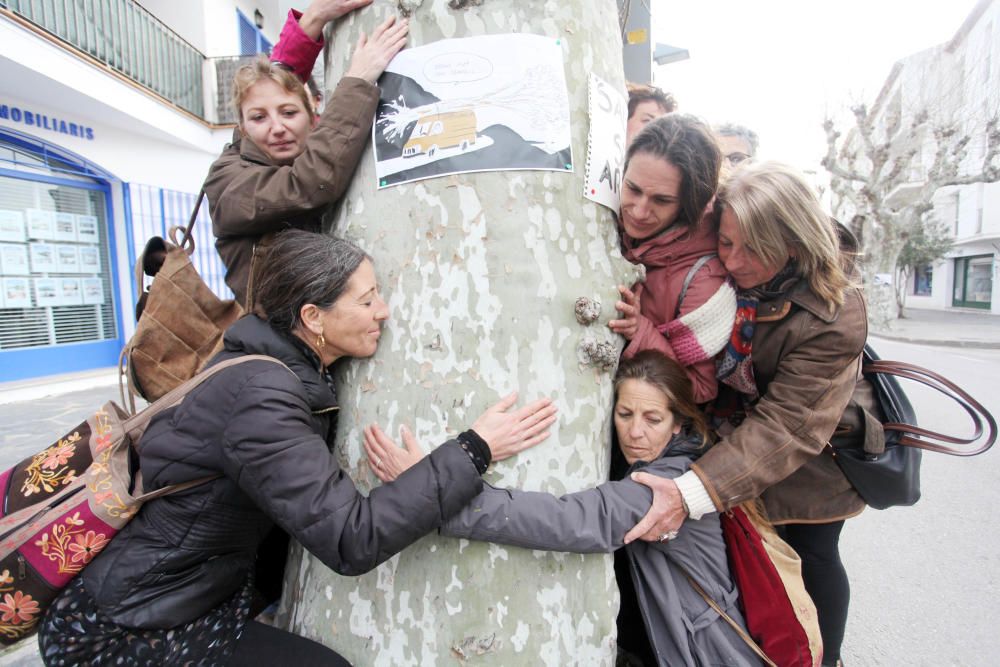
(770,616)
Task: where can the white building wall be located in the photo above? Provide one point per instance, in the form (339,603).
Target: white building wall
(210,25)
(136,136)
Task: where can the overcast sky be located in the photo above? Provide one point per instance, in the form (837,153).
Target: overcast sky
(778,66)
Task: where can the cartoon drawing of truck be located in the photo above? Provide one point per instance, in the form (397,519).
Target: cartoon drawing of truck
(442,130)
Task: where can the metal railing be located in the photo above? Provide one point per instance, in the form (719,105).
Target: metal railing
(128,39)
(153,211)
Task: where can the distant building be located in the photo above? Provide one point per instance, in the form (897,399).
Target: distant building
(110,115)
(956,80)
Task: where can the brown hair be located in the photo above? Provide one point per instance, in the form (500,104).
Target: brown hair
(687,143)
(662,372)
(300,268)
(777,212)
(640,92)
(261,68)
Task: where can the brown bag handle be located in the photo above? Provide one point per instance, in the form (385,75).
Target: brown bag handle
(913,436)
(187,238)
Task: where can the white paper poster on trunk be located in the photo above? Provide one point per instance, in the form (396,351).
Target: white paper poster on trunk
(488,103)
(608,108)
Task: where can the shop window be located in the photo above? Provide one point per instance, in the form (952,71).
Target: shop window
(922,279)
(58,312)
(55,278)
(973,282)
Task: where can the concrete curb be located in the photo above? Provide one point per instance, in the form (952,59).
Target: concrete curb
(903,338)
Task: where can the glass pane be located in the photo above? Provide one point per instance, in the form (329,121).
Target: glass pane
(979,285)
(55,280)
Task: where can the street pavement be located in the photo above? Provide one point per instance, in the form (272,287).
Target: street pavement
(924,579)
(950,328)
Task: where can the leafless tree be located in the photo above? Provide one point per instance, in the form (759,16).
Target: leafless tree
(883,186)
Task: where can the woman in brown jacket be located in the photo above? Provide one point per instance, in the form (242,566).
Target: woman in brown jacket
(786,378)
(288,165)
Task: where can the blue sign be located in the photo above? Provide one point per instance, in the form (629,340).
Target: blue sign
(51,123)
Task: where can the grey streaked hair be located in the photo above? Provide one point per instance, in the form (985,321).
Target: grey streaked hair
(744,133)
(302,268)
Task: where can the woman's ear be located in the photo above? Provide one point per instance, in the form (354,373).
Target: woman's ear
(312,318)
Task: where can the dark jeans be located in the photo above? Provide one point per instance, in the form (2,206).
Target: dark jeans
(264,645)
(818,545)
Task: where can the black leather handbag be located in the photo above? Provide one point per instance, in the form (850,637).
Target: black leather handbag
(883,461)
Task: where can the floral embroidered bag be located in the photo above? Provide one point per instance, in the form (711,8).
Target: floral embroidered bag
(62,506)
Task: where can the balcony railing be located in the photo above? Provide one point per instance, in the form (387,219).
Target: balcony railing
(128,39)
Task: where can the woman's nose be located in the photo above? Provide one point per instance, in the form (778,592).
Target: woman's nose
(382,313)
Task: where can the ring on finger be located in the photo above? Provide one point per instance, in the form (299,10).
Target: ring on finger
(667,536)
(378,462)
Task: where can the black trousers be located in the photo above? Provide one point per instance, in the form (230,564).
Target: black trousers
(264,645)
(818,545)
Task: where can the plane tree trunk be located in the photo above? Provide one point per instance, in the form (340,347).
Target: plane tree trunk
(482,273)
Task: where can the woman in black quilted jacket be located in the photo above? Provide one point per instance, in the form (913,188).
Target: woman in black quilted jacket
(174,587)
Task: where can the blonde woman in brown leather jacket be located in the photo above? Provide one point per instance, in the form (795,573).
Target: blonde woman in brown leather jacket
(787,375)
(289,165)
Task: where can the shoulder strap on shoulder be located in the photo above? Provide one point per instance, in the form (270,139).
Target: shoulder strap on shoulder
(727,618)
(702,261)
(134,426)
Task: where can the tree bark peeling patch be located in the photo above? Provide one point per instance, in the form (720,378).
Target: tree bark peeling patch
(407,7)
(458,5)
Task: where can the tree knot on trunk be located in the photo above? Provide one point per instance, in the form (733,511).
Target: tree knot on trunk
(600,353)
(587,310)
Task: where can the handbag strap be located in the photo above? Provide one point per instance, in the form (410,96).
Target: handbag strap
(913,436)
(190,225)
(136,424)
(744,635)
(702,261)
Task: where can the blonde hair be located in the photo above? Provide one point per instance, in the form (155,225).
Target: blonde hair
(261,68)
(778,212)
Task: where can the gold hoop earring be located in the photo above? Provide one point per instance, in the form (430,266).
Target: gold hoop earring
(320,341)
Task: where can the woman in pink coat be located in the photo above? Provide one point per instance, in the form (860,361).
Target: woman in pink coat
(685,306)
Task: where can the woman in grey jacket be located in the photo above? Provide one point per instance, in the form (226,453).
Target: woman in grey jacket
(660,430)
(174,586)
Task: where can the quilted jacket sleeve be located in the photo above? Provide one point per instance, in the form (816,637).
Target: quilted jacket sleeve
(272,452)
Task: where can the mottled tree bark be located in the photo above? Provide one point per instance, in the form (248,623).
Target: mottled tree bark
(481,272)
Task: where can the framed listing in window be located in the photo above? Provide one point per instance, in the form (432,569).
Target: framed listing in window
(15,293)
(41,224)
(14,259)
(65,227)
(12,226)
(87,230)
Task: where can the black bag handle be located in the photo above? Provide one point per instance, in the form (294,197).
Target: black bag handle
(915,436)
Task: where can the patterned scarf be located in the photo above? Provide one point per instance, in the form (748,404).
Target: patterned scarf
(734,366)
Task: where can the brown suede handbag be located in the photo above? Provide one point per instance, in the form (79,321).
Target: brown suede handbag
(180,321)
